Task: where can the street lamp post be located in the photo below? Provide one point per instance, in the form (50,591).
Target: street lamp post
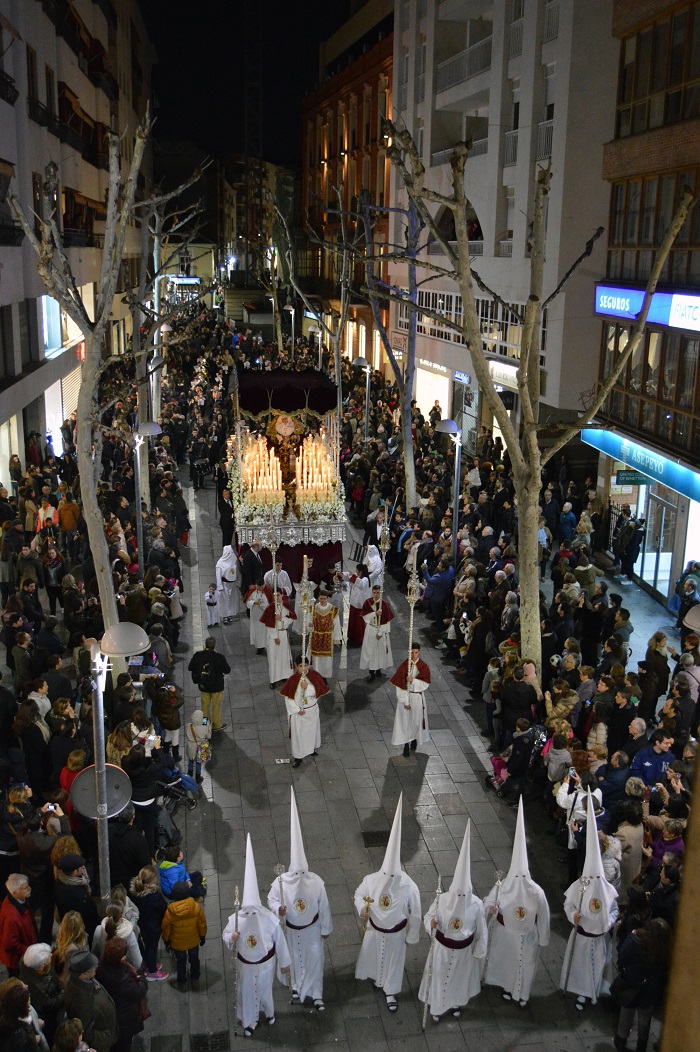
(292,311)
(362,363)
(448,427)
(148,429)
(120,640)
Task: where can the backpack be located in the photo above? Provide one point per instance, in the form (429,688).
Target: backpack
(206,680)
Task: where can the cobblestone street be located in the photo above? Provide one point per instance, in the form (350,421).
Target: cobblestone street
(347,797)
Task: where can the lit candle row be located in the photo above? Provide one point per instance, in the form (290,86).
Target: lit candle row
(315,471)
(261,468)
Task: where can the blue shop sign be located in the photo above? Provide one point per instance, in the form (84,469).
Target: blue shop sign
(657,467)
(675,309)
(462,378)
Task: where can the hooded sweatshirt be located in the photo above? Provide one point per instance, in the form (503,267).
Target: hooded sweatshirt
(170,873)
(184,924)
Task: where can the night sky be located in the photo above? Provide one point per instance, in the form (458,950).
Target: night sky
(200,80)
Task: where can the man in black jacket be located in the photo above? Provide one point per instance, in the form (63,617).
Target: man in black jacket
(73,892)
(226,517)
(251,566)
(128,848)
(208,670)
(517,699)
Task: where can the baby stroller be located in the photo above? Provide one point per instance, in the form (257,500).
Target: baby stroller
(175,786)
(167,833)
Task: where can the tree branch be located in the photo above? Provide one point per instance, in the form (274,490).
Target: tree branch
(574,266)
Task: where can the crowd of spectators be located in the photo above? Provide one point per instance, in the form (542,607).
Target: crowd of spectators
(83,977)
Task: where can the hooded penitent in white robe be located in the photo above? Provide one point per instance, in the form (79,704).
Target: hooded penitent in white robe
(394,917)
(228,582)
(589,949)
(261,947)
(308,919)
(373,562)
(459,942)
(520,925)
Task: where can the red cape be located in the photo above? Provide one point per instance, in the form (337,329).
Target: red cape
(387,613)
(316,681)
(268,615)
(399,677)
(253,588)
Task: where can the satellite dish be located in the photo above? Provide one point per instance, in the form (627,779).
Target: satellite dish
(83,793)
(692,618)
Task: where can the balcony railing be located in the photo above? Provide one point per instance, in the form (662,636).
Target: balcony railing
(516,38)
(8,91)
(510,153)
(420,87)
(505,248)
(71,137)
(469,63)
(476,248)
(76,237)
(53,124)
(479,147)
(551,21)
(545,130)
(38,112)
(11,233)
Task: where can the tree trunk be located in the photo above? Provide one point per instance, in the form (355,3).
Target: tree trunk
(87,406)
(527,493)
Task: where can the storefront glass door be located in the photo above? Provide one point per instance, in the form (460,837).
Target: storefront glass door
(657,555)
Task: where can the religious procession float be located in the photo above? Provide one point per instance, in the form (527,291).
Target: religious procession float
(284,467)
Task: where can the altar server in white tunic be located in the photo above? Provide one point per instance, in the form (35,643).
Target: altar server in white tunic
(411,679)
(299,896)
(277,617)
(284,583)
(518,924)
(388,902)
(459,922)
(301,693)
(591,906)
(255,934)
(257,599)
(228,583)
(376,643)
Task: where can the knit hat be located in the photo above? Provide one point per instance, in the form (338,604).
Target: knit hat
(69,863)
(36,956)
(82,962)
(180,890)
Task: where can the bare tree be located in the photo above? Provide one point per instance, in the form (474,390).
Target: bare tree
(375,290)
(55,270)
(527,453)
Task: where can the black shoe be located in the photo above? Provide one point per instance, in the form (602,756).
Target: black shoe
(414,744)
(296,762)
(405,750)
(260,650)
(370,678)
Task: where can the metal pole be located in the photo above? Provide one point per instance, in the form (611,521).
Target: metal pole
(367,409)
(455,514)
(139,515)
(293,313)
(99,672)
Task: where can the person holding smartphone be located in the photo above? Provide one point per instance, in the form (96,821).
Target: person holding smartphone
(197,744)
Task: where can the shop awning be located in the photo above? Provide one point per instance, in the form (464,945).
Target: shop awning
(658,467)
(7,168)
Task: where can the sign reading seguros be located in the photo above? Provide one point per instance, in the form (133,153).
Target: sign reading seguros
(677,310)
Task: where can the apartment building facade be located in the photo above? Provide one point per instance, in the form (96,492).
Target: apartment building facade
(344,154)
(649,433)
(529,82)
(69,71)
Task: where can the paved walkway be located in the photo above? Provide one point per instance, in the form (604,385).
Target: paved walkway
(348,793)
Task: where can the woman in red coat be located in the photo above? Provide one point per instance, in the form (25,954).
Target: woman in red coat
(126,988)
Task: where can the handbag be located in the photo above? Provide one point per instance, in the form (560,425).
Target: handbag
(625,992)
(203,749)
(144,1011)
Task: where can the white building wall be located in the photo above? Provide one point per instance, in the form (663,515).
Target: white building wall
(585,59)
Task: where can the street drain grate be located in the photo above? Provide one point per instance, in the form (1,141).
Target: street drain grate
(373,839)
(218,1042)
(166,1043)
